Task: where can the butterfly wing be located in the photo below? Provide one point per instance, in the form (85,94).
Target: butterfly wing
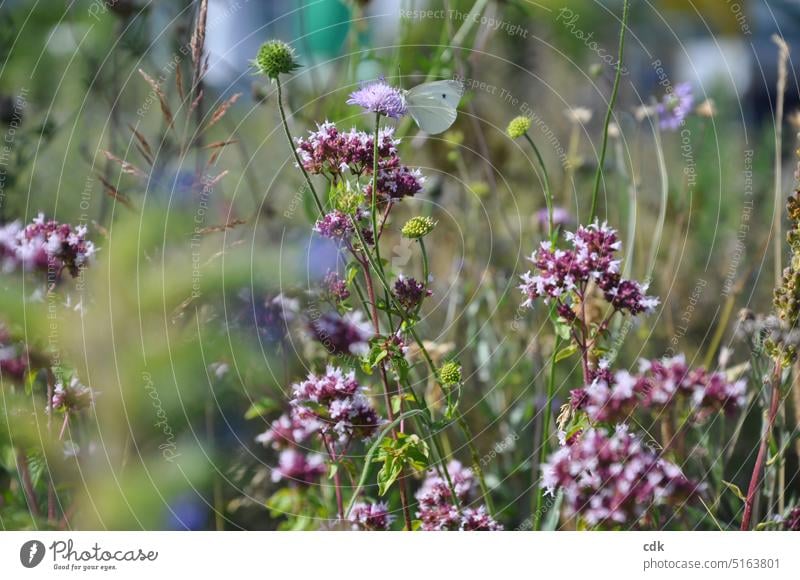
(434,105)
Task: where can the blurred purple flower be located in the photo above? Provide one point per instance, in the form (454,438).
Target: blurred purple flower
(187,512)
(335,288)
(342,335)
(561,218)
(299,467)
(675,107)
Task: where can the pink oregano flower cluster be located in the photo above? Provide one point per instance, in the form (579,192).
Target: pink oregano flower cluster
(337,154)
(658,384)
(332,405)
(613,478)
(48,246)
(371,517)
(563,275)
(437,510)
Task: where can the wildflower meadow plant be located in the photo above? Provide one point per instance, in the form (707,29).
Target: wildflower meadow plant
(367,179)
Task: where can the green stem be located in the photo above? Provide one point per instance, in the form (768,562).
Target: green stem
(548,196)
(294,150)
(599,174)
(476,462)
(551,388)
(371,453)
(410,328)
(374,200)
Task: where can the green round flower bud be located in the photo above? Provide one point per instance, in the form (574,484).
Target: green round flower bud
(450,373)
(275,58)
(518,127)
(418,227)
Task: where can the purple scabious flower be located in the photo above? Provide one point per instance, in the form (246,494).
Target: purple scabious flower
(338,403)
(614,479)
(342,335)
(437,510)
(298,467)
(658,384)
(381,98)
(564,275)
(371,516)
(675,107)
(409,293)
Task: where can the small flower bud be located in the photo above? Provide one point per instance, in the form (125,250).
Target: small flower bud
(275,58)
(518,127)
(418,227)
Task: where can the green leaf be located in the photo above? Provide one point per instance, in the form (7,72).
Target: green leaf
(735,489)
(566,352)
(261,408)
(563,330)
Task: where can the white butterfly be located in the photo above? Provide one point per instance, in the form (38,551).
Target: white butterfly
(434,105)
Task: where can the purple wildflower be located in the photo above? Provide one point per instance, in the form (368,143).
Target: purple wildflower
(381,98)
(371,516)
(478,520)
(71,397)
(657,385)
(335,225)
(409,293)
(290,429)
(397,182)
(342,335)
(564,275)
(49,246)
(333,152)
(614,479)
(299,467)
(561,218)
(437,510)
(335,288)
(14,361)
(338,402)
(675,107)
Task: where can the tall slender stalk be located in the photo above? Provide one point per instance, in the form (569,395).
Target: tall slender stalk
(548,195)
(545,441)
(288,133)
(601,161)
(783,55)
(755,478)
